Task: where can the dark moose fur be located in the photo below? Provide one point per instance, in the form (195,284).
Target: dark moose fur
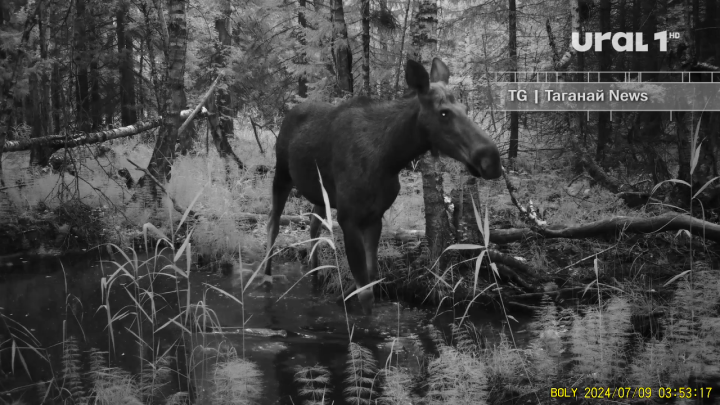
(359,147)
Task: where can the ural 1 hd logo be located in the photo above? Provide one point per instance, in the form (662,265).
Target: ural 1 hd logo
(621,41)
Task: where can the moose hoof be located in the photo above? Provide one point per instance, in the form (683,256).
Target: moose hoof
(367,299)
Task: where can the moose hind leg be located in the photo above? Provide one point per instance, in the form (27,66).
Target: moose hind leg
(280,191)
(355,251)
(315,228)
(371,240)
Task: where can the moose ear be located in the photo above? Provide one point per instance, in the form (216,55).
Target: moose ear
(439,72)
(417,77)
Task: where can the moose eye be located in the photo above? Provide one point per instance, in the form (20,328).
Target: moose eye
(444,113)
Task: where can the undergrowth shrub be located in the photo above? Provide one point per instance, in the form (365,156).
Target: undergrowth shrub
(689,347)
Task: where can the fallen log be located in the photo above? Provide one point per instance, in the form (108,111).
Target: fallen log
(69,141)
(669,222)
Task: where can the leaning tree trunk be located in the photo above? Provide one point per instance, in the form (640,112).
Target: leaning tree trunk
(437,227)
(164,153)
(341,50)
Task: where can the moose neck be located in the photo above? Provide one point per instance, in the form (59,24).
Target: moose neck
(403,140)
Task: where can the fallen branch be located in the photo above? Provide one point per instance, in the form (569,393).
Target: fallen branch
(257,138)
(69,141)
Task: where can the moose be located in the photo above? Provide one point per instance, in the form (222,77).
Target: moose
(359,148)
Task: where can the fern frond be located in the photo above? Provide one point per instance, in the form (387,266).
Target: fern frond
(236,381)
(456,378)
(466,338)
(315,384)
(361,375)
(396,388)
(599,340)
(70,372)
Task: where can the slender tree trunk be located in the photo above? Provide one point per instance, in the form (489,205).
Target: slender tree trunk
(341,50)
(605,59)
(636,26)
(220,140)
(424,42)
(224,127)
(164,153)
(696,26)
(93,46)
(40,110)
(577,119)
(402,45)
(128,109)
(365,13)
(512,46)
(82,90)
(683,145)
(302,78)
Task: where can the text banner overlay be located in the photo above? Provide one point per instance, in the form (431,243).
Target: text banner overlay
(606,96)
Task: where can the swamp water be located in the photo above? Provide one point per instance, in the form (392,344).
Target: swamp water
(304,328)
